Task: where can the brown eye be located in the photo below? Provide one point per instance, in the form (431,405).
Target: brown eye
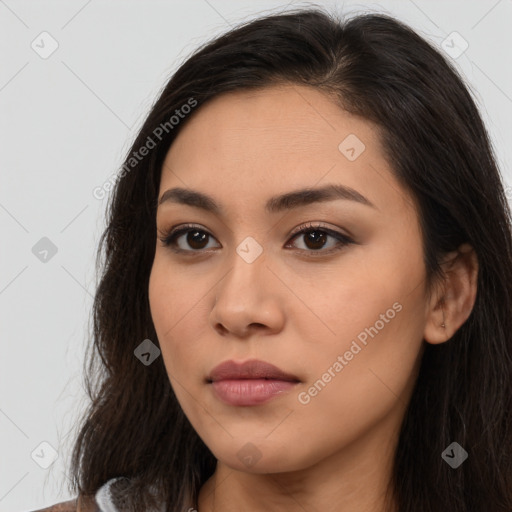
(195,240)
(191,239)
(315,238)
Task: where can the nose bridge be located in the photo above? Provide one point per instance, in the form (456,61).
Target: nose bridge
(247,263)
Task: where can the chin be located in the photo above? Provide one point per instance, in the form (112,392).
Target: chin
(259,457)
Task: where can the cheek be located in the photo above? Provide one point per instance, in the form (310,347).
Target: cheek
(359,373)
(374,292)
(178,303)
(353,386)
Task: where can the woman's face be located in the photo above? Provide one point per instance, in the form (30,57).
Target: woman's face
(341,307)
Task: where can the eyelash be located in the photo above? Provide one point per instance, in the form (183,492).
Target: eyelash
(168,239)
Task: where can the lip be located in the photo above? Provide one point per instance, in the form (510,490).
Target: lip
(249,383)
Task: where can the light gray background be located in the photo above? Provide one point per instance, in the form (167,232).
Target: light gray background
(66,123)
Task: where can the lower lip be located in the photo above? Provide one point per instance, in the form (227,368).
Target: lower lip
(250,391)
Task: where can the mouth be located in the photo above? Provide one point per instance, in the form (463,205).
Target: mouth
(250,383)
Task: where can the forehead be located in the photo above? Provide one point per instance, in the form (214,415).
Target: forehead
(278,138)
(289,119)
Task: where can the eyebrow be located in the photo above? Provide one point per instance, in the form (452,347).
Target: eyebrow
(288,201)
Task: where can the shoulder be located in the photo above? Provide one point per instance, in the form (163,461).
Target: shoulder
(63,506)
(103,500)
(75,505)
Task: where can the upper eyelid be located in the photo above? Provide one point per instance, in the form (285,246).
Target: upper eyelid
(181,230)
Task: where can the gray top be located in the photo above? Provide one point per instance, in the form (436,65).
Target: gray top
(105,497)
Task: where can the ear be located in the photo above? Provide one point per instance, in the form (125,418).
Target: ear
(453,299)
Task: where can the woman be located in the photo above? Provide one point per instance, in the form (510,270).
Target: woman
(307,285)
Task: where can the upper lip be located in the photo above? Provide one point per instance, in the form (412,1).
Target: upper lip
(253,369)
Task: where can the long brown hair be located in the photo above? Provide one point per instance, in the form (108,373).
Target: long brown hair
(380,69)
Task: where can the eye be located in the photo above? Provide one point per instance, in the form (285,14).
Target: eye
(314,236)
(196,238)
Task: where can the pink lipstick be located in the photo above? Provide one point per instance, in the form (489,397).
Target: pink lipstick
(253,382)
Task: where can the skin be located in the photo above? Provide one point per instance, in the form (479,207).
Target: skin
(297,312)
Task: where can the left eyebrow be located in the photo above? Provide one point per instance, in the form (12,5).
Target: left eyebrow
(307,196)
(276,204)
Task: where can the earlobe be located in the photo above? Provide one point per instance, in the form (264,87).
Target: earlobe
(453,300)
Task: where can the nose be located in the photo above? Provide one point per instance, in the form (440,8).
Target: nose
(248,300)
